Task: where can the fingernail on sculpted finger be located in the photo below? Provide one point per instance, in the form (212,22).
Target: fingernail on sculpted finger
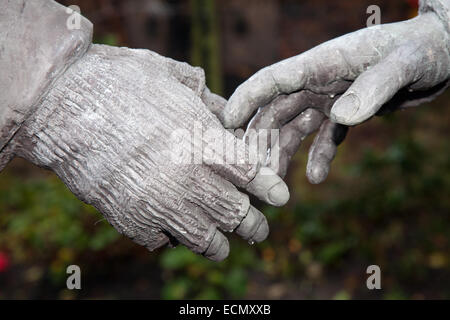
(262,232)
(279,194)
(254,226)
(317,173)
(323,151)
(269,187)
(219,248)
(345,109)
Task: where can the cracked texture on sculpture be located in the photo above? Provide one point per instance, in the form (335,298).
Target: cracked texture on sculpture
(105,120)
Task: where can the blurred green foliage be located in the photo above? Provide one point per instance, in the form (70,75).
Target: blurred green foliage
(191,276)
(43,219)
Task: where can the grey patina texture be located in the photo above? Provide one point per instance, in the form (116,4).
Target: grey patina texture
(35,47)
(103,119)
(348,79)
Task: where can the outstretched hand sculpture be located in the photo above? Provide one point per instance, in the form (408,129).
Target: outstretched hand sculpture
(344,82)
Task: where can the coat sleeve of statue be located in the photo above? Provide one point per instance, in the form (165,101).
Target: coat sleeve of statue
(36,46)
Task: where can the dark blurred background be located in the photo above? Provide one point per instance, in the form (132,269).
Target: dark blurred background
(386,201)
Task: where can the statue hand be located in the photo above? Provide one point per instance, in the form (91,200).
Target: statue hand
(344,82)
(132,133)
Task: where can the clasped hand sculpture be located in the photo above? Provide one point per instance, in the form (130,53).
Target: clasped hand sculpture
(102,118)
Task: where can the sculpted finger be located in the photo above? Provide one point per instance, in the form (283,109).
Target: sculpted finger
(214,102)
(323,69)
(219,248)
(283,77)
(323,150)
(270,118)
(254,227)
(218,198)
(326,68)
(373,88)
(269,187)
(286,107)
(227,207)
(237,162)
(292,135)
(279,112)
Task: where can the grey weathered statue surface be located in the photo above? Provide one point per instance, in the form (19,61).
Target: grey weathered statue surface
(344,82)
(102,118)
